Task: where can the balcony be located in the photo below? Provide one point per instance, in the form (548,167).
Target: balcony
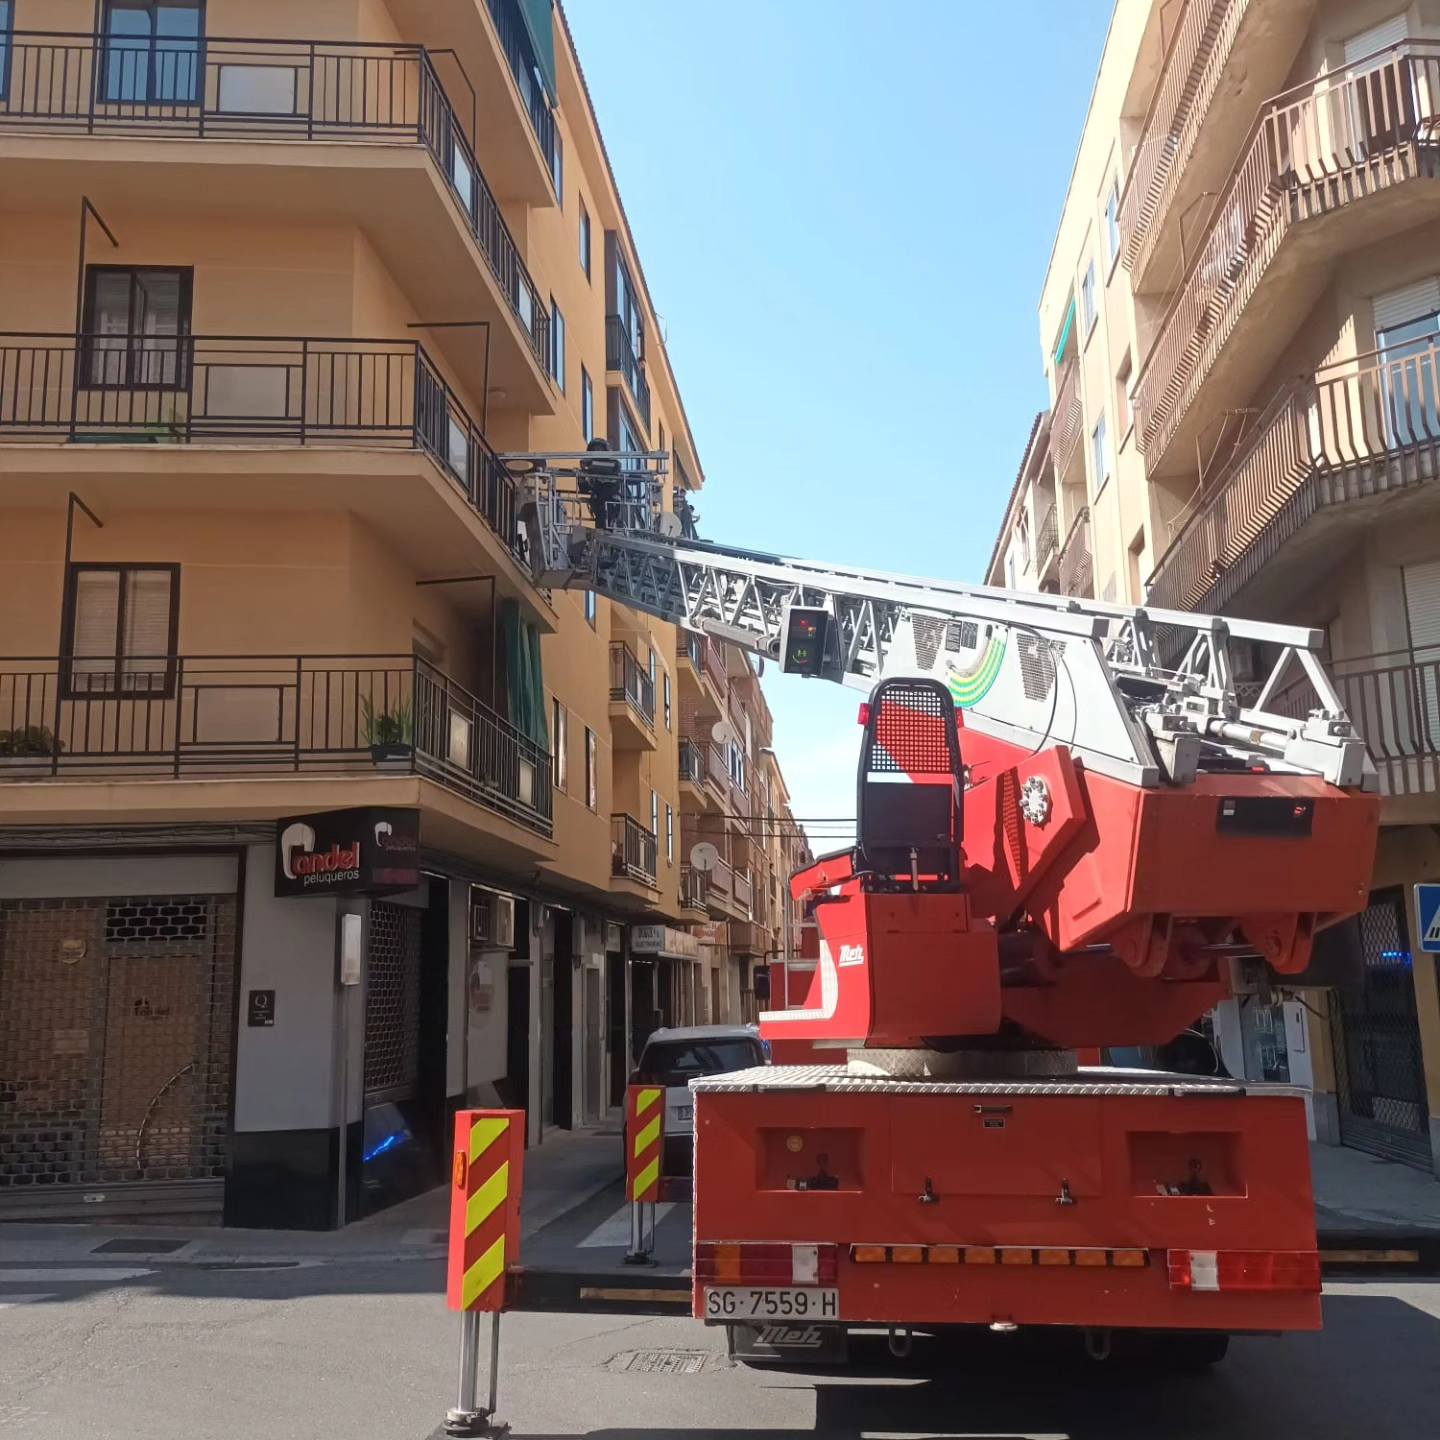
(694,889)
(632,701)
(323,126)
(1342,162)
(744,892)
(244,719)
(1329,452)
(1077,569)
(252,393)
(632,850)
(1047,544)
(1225,57)
(620,357)
(1068,420)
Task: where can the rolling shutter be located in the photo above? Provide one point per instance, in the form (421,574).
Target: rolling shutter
(1378,37)
(1410,302)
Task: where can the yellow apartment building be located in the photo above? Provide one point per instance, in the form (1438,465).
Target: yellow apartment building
(1239,328)
(317,818)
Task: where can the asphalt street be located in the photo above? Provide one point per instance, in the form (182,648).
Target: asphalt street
(119,1347)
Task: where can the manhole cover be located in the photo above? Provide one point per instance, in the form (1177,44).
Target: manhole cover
(139,1246)
(666,1362)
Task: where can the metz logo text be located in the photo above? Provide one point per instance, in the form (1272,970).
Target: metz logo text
(851,955)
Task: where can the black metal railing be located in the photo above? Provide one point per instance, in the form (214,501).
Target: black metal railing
(219,716)
(631,682)
(692,762)
(236,89)
(632,849)
(694,888)
(520,56)
(693,649)
(620,355)
(251,389)
(1047,541)
(1076,564)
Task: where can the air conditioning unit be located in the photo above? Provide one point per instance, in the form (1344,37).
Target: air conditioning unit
(492,919)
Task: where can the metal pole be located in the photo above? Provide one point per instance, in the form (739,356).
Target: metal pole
(637,1231)
(494,1364)
(468,1391)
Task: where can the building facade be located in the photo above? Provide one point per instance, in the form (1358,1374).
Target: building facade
(1239,328)
(317,818)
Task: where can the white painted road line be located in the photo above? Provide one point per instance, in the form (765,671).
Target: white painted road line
(614,1233)
(72,1275)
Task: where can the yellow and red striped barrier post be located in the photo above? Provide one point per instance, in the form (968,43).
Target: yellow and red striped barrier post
(644,1145)
(487,1177)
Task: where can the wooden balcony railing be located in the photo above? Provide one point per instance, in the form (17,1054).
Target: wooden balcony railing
(1076,565)
(1357,428)
(1315,149)
(1068,419)
(1047,540)
(633,849)
(210,717)
(631,682)
(1194,65)
(251,89)
(251,390)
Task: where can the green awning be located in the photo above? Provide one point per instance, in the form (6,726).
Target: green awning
(540,23)
(1065,330)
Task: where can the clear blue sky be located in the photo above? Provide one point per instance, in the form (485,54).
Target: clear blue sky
(845,222)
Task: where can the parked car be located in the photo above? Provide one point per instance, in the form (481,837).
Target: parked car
(674,1057)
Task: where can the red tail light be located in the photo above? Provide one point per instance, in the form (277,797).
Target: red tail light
(864,716)
(1237,1270)
(724,1263)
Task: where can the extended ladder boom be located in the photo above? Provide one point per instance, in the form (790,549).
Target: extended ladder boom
(1144,695)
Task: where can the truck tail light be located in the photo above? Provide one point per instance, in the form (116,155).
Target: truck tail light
(1240,1270)
(780,1264)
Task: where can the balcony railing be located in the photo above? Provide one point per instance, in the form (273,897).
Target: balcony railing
(237,716)
(518,53)
(248,89)
(620,355)
(1076,566)
(694,888)
(1194,65)
(715,667)
(744,891)
(631,682)
(692,762)
(1047,540)
(1356,429)
(1353,132)
(632,849)
(251,389)
(1068,419)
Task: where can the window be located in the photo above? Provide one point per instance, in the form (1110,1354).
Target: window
(666,687)
(631,315)
(670,834)
(654,814)
(557,345)
(560,729)
(587,406)
(584,239)
(590,607)
(7,21)
(1011,571)
(592,780)
(151,51)
(1088,312)
(650,665)
(1124,404)
(1100,455)
(132,321)
(628,441)
(557,169)
(1112,223)
(121,629)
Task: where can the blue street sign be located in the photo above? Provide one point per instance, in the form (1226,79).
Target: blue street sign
(1427,902)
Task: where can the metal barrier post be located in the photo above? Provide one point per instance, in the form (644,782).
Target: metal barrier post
(644,1145)
(484,1241)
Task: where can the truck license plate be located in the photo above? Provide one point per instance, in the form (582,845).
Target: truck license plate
(743,1302)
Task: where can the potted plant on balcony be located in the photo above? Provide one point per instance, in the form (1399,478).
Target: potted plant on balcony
(390,734)
(27,750)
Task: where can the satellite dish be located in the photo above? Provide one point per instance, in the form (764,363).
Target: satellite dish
(723,733)
(704,856)
(670,525)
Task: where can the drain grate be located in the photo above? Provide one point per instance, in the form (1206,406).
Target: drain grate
(139,1246)
(666,1362)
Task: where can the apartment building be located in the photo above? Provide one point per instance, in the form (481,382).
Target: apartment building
(317,818)
(1239,328)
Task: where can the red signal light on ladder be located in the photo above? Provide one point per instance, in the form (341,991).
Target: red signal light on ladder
(864,716)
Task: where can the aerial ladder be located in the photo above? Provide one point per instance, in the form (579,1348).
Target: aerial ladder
(1077,829)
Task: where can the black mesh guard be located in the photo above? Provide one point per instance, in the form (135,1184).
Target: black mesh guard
(912,730)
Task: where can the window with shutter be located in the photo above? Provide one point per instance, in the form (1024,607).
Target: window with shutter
(121,630)
(133,321)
